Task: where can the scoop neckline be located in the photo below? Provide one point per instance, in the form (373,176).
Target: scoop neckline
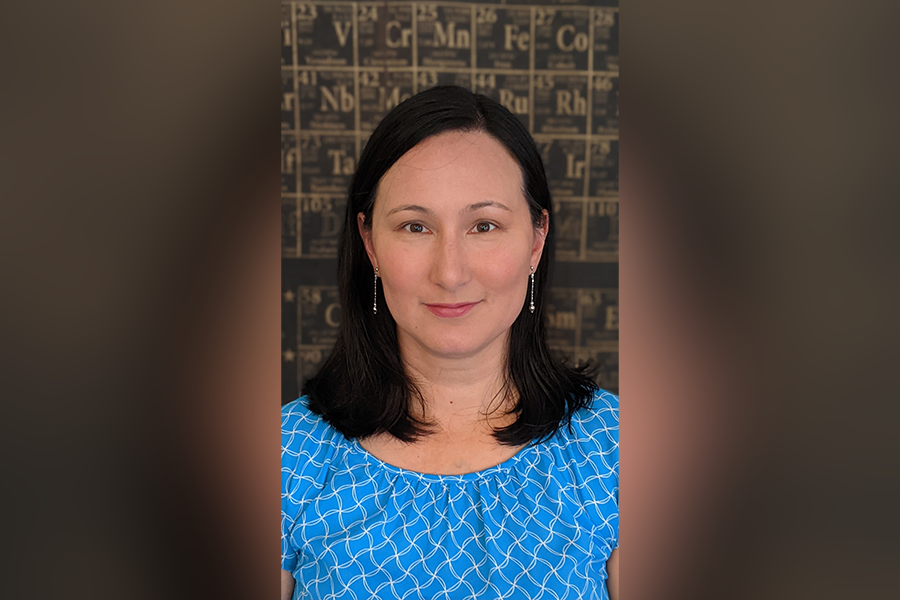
(504,466)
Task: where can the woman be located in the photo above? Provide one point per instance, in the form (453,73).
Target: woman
(441,452)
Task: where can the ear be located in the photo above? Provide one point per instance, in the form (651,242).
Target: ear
(540,236)
(366,234)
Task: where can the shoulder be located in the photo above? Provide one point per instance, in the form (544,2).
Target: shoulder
(300,426)
(309,445)
(599,420)
(593,433)
(589,448)
(309,450)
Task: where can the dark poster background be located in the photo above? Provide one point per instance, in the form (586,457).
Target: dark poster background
(344,65)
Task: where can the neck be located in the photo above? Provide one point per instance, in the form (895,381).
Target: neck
(461,393)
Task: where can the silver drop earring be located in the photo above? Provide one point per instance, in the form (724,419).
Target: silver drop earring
(531,306)
(375,295)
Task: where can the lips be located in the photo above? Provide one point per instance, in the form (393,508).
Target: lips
(449,311)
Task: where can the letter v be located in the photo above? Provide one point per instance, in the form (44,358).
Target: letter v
(342,35)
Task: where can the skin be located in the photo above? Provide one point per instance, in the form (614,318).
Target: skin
(454,243)
(451,225)
(287,585)
(453,240)
(612,570)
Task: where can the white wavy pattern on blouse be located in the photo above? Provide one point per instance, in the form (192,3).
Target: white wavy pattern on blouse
(540,525)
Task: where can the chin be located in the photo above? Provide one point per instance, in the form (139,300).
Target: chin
(460,348)
(453,351)
(451,342)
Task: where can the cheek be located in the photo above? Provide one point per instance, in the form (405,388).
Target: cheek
(505,272)
(401,277)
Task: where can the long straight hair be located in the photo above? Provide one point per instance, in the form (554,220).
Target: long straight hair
(363,387)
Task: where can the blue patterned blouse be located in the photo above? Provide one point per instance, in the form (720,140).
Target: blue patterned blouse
(540,525)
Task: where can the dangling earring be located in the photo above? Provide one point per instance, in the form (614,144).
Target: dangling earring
(375,295)
(531,306)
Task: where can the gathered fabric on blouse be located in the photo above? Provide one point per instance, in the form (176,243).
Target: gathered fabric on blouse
(539,525)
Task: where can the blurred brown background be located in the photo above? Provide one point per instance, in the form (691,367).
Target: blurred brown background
(141,251)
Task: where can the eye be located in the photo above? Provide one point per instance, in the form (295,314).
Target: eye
(484,227)
(415,228)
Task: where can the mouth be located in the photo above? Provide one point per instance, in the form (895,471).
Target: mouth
(449,311)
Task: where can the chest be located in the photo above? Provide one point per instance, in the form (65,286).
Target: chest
(434,455)
(431,537)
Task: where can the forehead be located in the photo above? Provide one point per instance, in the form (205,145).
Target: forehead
(453,167)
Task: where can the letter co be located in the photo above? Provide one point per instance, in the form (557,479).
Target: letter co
(567,40)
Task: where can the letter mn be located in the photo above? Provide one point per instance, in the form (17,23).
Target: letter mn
(337,97)
(450,38)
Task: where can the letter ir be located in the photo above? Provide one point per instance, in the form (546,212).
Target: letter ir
(574,168)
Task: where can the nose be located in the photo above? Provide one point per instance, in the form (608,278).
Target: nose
(449,263)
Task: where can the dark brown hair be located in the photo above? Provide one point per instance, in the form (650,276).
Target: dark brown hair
(363,388)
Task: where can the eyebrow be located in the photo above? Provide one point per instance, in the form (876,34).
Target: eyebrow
(486,204)
(470,208)
(412,207)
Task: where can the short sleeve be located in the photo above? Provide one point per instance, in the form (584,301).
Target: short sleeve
(606,406)
(307,451)
(593,450)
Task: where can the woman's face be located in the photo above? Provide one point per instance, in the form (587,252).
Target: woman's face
(453,241)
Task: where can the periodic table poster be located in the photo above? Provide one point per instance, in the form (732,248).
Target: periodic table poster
(555,65)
